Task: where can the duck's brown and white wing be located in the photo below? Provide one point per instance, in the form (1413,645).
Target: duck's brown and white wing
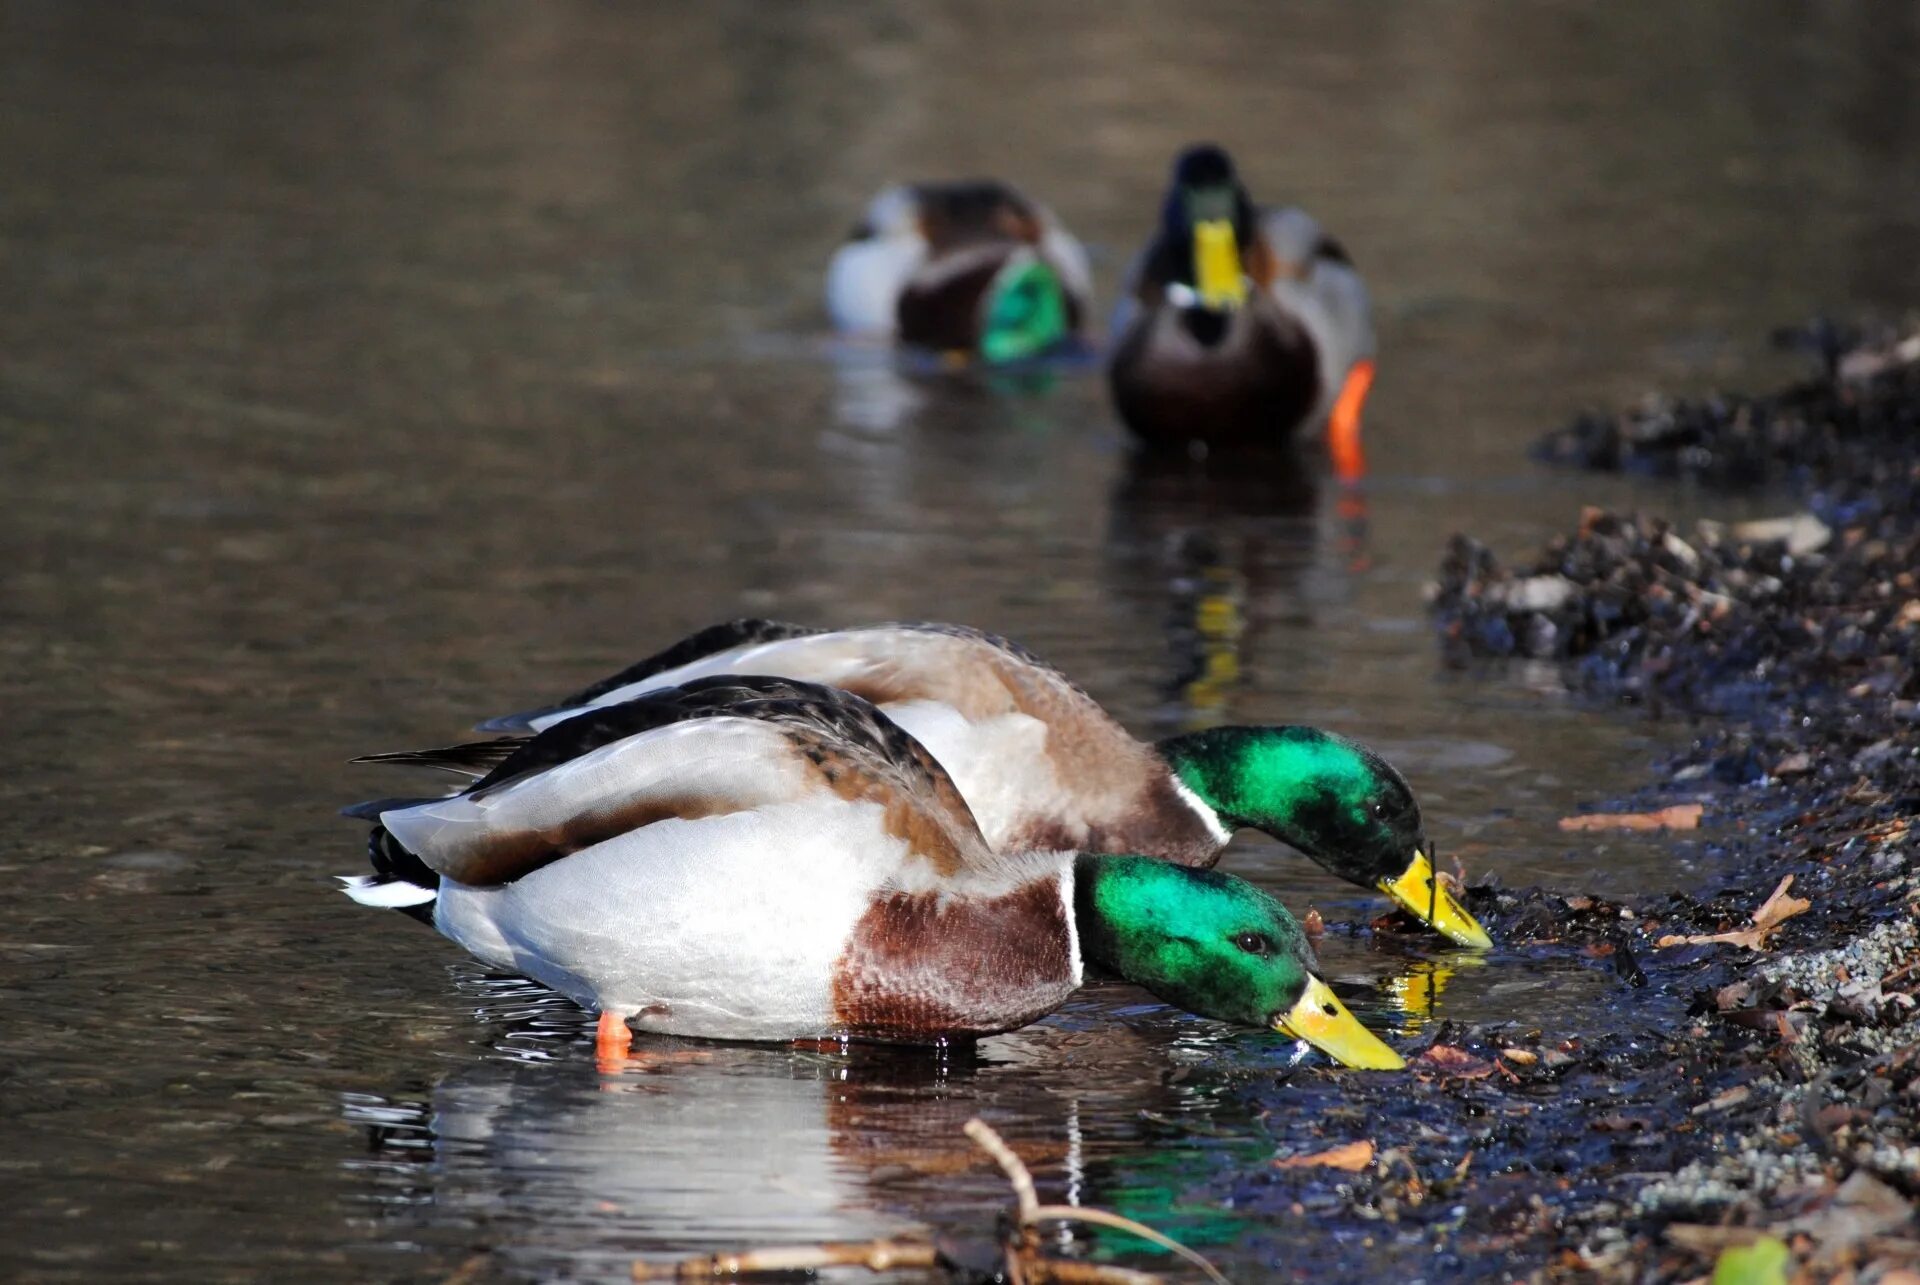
(1317,282)
(714,747)
(1037,758)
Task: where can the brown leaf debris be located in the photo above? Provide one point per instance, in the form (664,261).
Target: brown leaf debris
(1353,1157)
(1773,912)
(1681,816)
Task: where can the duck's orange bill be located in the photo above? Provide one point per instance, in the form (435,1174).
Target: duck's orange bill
(1323,1021)
(1343,426)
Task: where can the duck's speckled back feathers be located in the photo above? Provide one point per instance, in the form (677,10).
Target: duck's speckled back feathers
(827,741)
(810,713)
(1044,766)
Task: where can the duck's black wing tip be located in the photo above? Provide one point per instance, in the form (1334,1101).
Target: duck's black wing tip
(728,634)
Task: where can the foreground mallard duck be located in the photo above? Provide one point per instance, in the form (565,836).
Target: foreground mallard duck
(1240,325)
(1043,766)
(972,267)
(762,859)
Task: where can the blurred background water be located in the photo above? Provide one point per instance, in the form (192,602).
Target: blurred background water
(371,368)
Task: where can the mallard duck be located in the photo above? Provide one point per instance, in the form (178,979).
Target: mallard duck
(971,267)
(1042,765)
(755,858)
(1240,325)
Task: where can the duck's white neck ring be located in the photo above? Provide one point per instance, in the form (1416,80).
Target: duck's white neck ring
(1207,815)
(1067,899)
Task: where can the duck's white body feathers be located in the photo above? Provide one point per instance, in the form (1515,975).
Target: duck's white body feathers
(730,927)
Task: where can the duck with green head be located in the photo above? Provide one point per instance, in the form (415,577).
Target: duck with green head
(973,267)
(1240,325)
(1042,765)
(1330,798)
(746,857)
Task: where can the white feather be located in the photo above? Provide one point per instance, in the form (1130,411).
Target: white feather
(1066,253)
(864,280)
(865,276)
(1215,827)
(998,761)
(391,895)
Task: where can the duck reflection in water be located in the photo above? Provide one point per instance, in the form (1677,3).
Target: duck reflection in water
(699,1147)
(880,391)
(1231,545)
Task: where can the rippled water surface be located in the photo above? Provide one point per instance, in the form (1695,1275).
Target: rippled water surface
(369,369)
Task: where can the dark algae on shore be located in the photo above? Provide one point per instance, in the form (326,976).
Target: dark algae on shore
(1781,1097)
(1855,418)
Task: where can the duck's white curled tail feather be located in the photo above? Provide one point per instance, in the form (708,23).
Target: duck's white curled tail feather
(385,894)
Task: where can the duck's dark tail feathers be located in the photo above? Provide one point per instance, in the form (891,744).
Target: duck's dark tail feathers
(400,881)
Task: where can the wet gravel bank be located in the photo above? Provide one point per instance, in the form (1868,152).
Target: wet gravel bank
(1767,1082)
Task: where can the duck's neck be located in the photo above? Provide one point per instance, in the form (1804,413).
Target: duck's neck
(1168,820)
(1100,949)
(1122,905)
(1245,776)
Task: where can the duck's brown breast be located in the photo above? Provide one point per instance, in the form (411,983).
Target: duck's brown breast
(1159,823)
(939,307)
(1254,387)
(923,965)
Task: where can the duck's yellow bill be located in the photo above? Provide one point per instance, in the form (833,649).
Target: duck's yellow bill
(1428,900)
(1216,264)
(1323,1021)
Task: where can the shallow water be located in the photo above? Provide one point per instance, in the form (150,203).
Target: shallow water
(367,371)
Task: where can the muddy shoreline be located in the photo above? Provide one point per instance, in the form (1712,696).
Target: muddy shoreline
(1767,1085)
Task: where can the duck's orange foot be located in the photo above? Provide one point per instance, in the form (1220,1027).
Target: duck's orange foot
(611,1040)
(1343,425)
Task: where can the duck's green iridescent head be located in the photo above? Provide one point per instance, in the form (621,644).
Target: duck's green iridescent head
(1217,946)
(1333,799)
(1025,311)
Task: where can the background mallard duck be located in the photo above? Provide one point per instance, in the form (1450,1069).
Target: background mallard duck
(974,267)
(1239,325)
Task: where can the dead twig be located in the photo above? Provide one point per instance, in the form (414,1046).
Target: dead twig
(1681,816)
(1066,1271)
(1032,1211)
(874,1255)
(1773,912)
(1016,1169)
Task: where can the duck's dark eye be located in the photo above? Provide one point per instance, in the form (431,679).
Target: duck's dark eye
(1255,944)
(1379,810)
